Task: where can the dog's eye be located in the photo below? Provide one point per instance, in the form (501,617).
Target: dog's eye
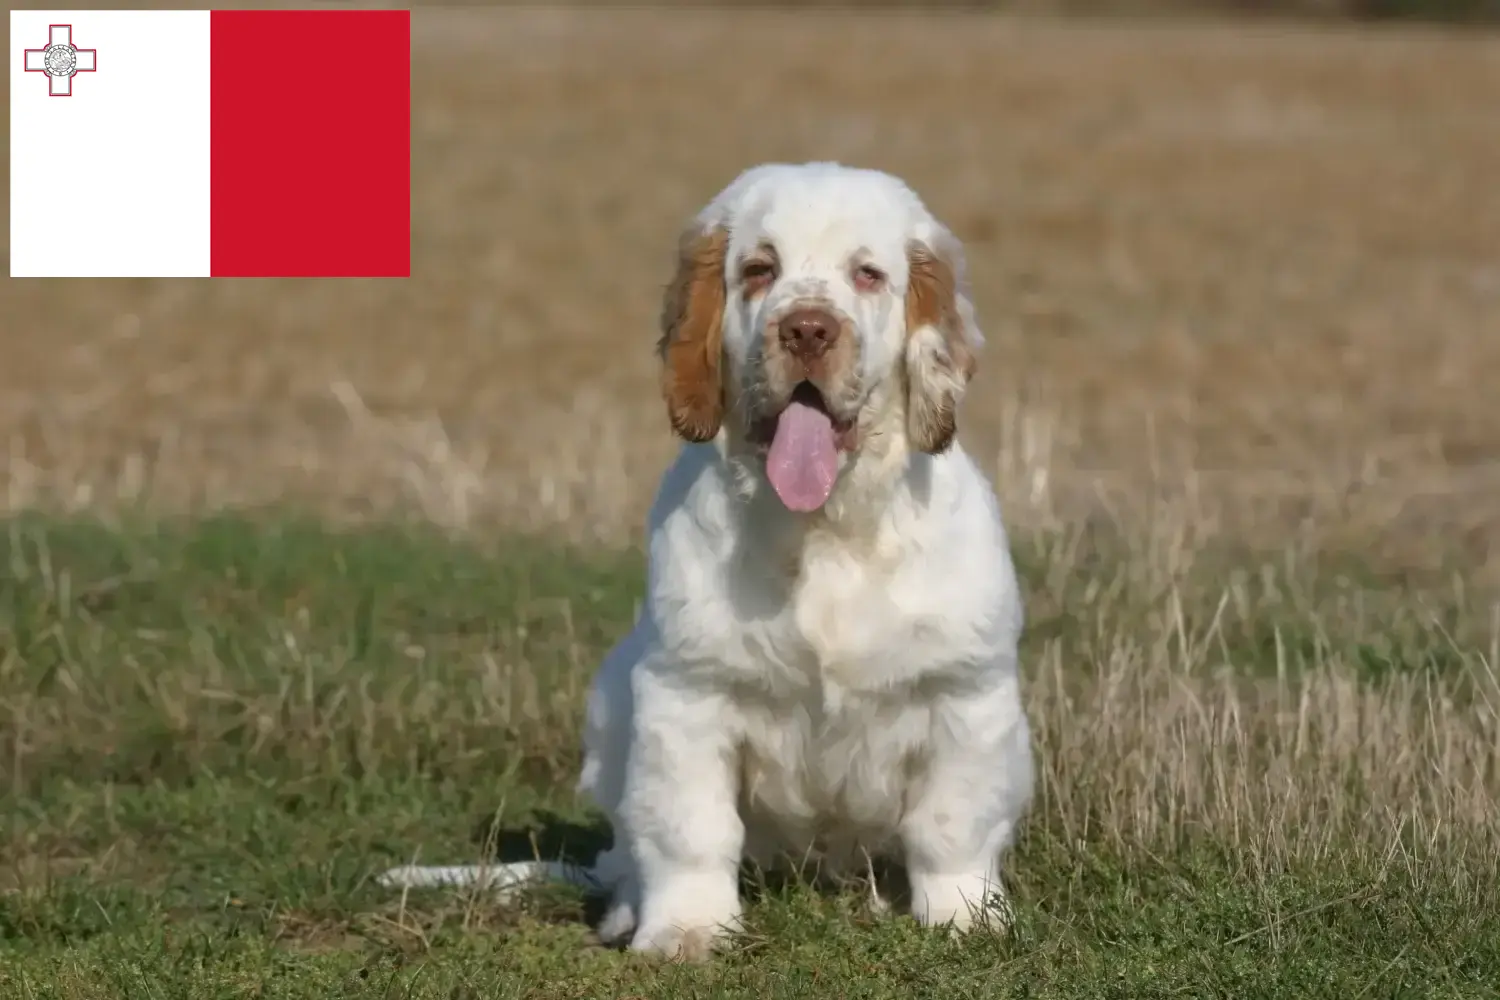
(757,274)
(868,277)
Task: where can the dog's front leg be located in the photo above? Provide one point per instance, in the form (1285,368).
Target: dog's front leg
(680,810)
(975,790)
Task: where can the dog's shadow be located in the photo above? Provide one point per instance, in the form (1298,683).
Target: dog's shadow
(548,836)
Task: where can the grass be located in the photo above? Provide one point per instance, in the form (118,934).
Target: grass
(218,730)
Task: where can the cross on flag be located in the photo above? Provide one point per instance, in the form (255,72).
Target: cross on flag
(61,60)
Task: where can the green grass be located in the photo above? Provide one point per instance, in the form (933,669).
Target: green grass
(214,733)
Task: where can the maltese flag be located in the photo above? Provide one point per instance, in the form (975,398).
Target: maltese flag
(195,143)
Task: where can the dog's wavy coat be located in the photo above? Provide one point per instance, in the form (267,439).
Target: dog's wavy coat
(826,658)
(827,651)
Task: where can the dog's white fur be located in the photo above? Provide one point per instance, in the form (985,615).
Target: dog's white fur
(847,678)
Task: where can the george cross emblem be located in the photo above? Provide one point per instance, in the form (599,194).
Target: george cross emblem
(60,60)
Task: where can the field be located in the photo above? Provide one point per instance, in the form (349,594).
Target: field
(303,579)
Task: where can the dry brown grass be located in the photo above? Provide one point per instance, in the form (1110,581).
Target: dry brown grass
(1289,722)
(1241,287)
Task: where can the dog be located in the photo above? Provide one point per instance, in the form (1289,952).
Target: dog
(826,659)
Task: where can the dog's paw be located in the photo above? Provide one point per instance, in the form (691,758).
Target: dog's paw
(960,904)
(687,915)
(679,944)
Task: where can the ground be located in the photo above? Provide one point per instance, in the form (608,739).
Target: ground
(303,579)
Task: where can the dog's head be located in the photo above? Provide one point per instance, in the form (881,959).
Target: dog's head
(818,312)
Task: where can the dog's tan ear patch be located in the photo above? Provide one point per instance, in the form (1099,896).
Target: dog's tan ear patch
(691,345)
(940,360)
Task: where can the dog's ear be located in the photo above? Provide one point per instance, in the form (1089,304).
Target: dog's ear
(691,345)
(942,341)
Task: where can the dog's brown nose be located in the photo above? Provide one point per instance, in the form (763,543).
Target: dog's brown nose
(807,333)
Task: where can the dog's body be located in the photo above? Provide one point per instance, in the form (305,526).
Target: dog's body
(826,657)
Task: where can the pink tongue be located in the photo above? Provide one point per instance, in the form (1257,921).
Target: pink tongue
(803,462)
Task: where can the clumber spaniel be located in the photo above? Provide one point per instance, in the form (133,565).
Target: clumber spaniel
(827,652)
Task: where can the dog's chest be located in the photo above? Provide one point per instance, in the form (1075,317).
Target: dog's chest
(844,628)
(830,760)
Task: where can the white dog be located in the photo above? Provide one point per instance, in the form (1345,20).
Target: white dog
(826,658)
